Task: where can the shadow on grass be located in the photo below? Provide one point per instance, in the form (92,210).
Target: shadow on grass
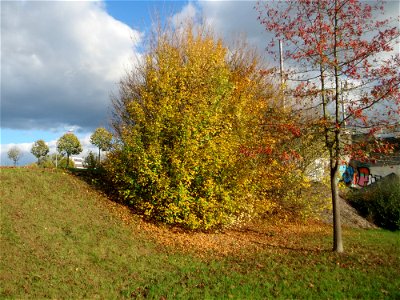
(97,179)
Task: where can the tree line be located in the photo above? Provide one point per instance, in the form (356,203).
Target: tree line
(67,145)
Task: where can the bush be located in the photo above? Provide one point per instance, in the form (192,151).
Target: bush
(195,147)
(91,161)
(379,202)
(53,161)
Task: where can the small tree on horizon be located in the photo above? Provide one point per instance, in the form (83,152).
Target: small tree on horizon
(101,138)
(39,150)
(14,153)
(332,43)
(69,145)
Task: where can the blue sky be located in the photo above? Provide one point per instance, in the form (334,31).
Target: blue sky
(61,60)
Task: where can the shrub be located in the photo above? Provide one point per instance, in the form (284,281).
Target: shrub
(194,146)
(91,161)
(379,202)
(55,160)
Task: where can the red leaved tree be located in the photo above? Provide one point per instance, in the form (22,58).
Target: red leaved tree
(340,51)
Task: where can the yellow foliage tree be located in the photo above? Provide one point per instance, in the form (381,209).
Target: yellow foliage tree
(186,119)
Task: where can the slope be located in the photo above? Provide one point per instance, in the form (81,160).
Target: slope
(62,239)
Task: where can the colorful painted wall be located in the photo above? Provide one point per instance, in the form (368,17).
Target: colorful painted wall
(363,175)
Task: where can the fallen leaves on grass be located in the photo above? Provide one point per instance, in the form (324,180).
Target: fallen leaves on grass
(247,239)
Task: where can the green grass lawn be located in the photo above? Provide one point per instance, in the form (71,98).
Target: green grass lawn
(60,239)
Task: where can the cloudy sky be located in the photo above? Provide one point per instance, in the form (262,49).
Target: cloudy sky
(61,60)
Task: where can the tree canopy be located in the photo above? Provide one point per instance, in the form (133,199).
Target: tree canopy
(101,138)
(69,145)
(14,153)
(40,149)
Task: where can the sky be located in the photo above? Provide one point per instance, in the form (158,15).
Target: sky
(62,60)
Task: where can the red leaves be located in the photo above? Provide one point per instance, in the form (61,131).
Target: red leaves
(293,129)
(369,150)
(254,151)
(285,156)
(359,115)
(329,43)
(383,148)
(269,71)
(291,155)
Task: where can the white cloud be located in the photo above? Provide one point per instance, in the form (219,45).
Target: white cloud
(234,19)
(60,62)
(188,13)
(231,20)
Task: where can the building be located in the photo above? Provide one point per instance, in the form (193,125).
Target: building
(78,162)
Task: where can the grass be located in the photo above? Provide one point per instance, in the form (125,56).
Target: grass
(379,202)
(60,238)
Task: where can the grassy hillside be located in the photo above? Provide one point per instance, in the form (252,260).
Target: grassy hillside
(62,239)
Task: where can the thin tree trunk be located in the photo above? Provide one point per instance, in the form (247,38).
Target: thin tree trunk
(337,229)
(99,155)
(335,150)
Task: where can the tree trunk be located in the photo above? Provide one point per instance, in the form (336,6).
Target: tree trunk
(335,154)
(67,160)
(99,155)
(337,230)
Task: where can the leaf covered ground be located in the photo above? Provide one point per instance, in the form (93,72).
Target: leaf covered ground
(241,241)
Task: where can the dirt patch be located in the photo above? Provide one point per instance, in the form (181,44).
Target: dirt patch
(349,217)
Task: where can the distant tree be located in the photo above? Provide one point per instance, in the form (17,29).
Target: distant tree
(102,139)
(339,49)
(69,145)
(40,149)
(90,161)
(14,154)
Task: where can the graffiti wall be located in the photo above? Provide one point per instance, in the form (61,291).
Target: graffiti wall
(357,176)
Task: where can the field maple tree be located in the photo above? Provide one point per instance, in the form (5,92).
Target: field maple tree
(339,50)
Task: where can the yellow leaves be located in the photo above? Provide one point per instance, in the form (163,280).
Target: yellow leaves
(191,111)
